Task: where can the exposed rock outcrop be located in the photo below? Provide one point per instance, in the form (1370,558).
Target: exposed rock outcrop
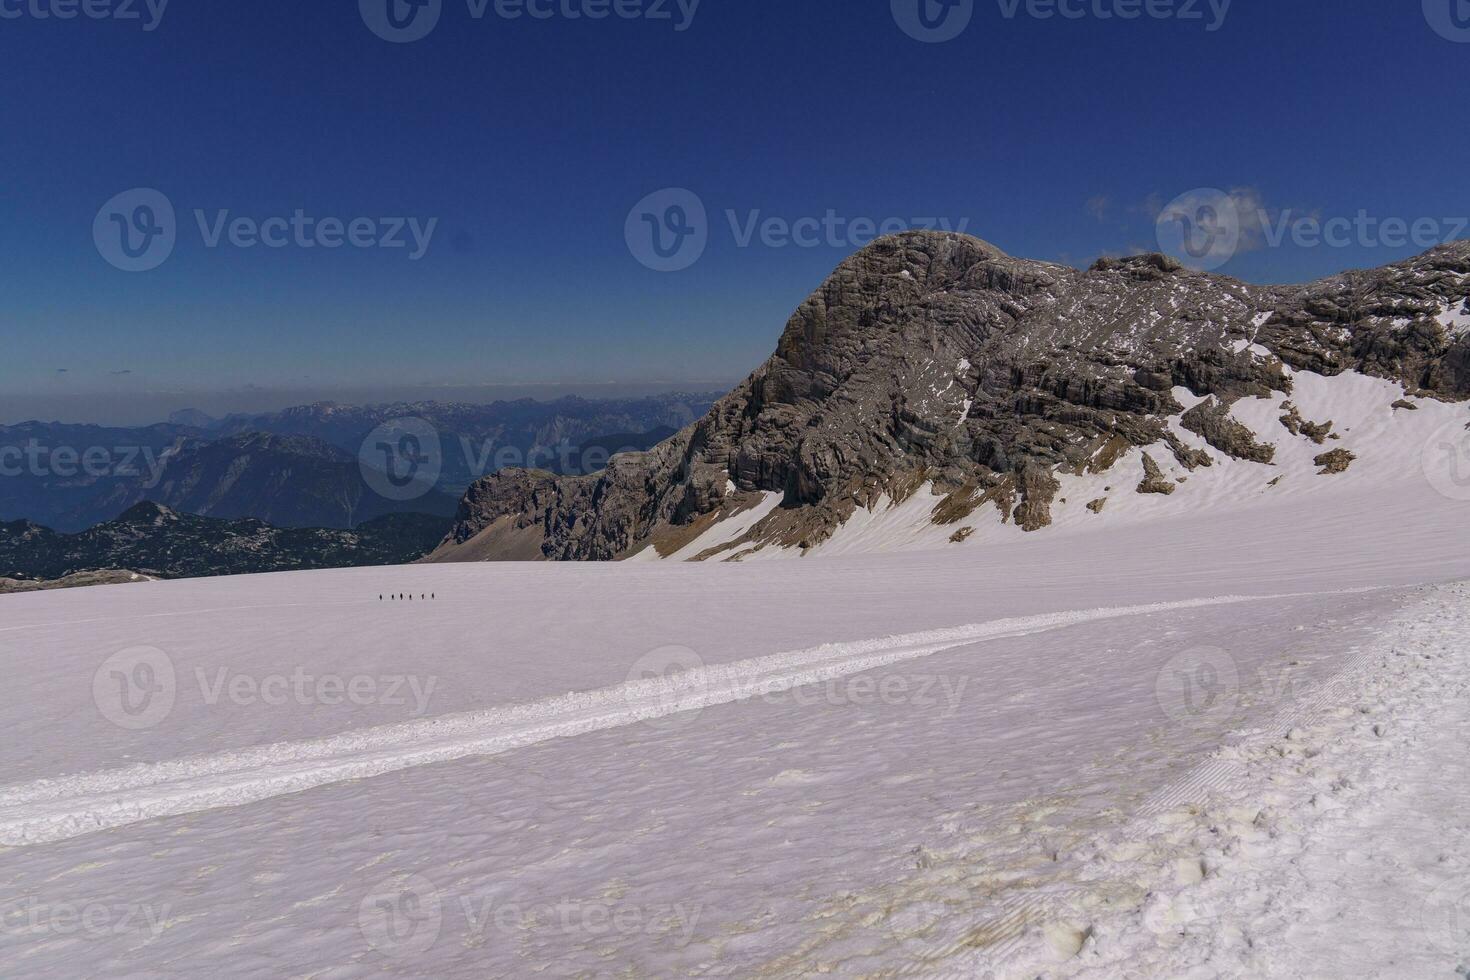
(1038,490)
(1153,478)
(1298,426)
(1334,462)
(1211,420)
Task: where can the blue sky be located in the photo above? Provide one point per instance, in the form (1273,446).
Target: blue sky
(531,139)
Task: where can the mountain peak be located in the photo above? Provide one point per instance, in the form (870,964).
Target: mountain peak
(191,417)
(148,512)
(1147,264)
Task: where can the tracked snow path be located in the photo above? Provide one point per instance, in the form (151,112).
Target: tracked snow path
(50,810)
(1326,836)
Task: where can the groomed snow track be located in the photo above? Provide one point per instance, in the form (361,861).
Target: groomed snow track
(56,809)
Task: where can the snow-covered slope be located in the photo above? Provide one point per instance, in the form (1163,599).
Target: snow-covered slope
(1126,741)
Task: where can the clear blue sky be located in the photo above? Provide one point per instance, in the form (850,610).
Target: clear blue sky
(530,140)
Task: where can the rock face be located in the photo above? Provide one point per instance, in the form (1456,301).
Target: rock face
(936,358)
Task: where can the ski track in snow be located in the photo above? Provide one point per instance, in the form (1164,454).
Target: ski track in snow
(56,809)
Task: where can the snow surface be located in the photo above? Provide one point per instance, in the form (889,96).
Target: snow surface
(59,808)
(1218,734)
(1035,765)
(1456,319)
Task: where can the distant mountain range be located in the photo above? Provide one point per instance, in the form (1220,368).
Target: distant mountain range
(474,437)
(155,541)
(306,467)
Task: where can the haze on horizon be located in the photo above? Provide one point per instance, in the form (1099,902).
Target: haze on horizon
(142,407)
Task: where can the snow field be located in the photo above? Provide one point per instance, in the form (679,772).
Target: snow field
(765,837)
(56,809)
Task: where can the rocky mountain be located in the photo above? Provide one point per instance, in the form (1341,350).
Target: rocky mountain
(286,481)
(157,542)
(56,473)
(935,360)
